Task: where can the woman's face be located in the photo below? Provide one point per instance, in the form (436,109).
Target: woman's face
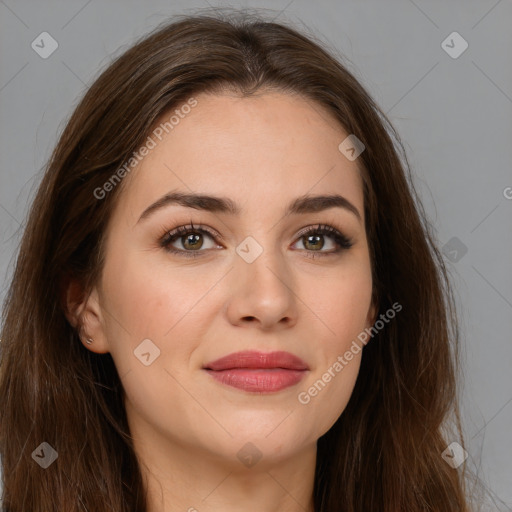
(168,307)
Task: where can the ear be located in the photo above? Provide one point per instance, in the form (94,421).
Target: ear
(372,314)
(84,313)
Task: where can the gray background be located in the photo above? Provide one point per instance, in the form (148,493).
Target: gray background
(454,116)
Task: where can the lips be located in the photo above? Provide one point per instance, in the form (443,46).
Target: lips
(258,371)
(260,360)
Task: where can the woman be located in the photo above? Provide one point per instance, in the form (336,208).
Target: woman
(227,296)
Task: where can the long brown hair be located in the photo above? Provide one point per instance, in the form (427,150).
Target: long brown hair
(384,452)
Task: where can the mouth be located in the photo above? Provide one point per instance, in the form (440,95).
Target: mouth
(258,372)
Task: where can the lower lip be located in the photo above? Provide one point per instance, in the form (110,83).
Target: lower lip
(258,380)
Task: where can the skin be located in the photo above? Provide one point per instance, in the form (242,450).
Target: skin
(261,152)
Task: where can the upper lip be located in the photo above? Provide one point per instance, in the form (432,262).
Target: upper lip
(255,359)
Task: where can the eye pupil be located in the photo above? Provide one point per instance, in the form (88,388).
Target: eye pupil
(317,238)
(192,239)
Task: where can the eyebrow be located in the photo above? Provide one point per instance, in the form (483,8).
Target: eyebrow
(301,205)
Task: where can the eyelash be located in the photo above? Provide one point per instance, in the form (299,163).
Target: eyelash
(340,239)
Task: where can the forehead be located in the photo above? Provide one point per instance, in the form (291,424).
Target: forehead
(259,150)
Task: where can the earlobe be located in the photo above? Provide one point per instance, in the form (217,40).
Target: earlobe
(83,312)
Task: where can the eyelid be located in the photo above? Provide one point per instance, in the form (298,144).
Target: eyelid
(182,230)
(343,241)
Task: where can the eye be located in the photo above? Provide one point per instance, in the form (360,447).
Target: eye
(313,239)
(189,237)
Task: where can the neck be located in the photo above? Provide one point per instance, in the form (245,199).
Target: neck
(189,479)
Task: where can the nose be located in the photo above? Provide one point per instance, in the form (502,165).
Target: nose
(262,293)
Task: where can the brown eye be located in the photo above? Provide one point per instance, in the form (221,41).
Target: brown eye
(190,238)
(314,240)
(192,241)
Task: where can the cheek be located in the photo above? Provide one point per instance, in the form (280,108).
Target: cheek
(155,301)
(148,299)
(328,393)
(146,302)
(342,301)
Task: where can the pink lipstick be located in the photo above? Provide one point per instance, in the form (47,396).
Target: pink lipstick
(258,371)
